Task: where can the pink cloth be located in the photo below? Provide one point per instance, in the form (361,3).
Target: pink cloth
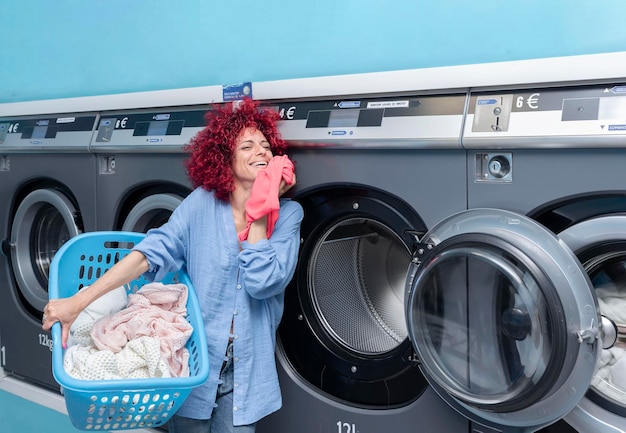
(156,310)
(264,196)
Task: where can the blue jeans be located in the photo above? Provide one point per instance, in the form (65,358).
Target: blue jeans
(222,417)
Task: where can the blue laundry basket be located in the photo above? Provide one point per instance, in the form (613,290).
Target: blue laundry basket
(128,403)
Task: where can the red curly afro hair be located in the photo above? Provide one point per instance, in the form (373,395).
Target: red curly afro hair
(211,150)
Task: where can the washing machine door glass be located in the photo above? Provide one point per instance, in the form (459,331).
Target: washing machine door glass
(44,220)
(502,317)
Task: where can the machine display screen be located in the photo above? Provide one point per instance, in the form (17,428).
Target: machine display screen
(40,131)
(344,118)
(158,127)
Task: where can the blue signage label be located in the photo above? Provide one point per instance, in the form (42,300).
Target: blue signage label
(236,92)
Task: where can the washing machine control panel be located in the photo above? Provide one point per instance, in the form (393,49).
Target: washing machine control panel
(167,129)
(52,132)
(402,121)
(581,116)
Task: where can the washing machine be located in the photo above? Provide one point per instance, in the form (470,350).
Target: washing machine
(374,173)
(515,304)
(47,195)
(140,174)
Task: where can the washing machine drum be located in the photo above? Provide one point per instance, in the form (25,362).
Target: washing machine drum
(344,331)
(503,318)
(44,220)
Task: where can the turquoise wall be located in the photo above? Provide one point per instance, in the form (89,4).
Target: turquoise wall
(67,48)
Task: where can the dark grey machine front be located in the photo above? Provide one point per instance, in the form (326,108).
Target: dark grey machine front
(483,271)
(557,156)
(373,175)
(140,155)
(462,262)
(47,195)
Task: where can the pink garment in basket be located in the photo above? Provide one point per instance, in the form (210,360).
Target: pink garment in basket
(264,196)
(156,310)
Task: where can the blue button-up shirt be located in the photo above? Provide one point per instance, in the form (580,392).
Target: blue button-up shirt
(243,286)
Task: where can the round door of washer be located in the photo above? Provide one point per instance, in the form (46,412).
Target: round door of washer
(503,318)
(44,220)
(151,212)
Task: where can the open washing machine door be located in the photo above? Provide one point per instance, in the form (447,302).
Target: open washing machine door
(503,318)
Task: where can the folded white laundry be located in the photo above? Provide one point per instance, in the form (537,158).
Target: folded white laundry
(108,304)
(139,359)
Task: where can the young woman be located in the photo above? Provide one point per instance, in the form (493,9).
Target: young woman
(240,284)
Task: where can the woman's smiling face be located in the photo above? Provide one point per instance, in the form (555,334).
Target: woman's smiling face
(252,153)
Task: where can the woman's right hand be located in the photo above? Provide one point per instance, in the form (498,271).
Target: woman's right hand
(65,311)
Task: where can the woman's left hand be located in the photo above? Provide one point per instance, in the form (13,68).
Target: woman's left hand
(284,186)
